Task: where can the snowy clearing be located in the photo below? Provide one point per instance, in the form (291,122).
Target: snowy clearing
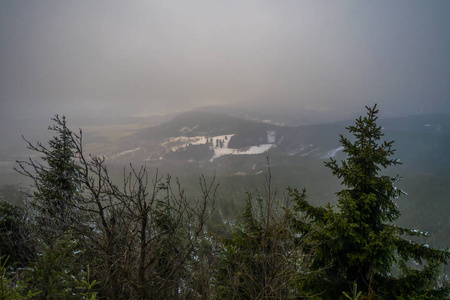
(124,153)
(218,152)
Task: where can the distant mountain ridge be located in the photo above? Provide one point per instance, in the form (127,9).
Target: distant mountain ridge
(200,123)
(202,136)
(211,133)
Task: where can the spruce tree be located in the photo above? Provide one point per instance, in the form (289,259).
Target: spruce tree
(259,260)
(56,180)
(357,242)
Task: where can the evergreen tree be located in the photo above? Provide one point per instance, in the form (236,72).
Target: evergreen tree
(262,258)
(56,180)
(256,262)
(54,275)
(358,244)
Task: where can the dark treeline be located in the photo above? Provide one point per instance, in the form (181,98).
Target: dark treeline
(82,235)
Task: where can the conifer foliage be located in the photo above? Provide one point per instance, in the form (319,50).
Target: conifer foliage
(260,260)
(358,243)
(56,179)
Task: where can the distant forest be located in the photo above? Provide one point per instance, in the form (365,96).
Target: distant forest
(82,234)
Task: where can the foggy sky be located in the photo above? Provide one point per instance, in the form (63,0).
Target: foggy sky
(141,57)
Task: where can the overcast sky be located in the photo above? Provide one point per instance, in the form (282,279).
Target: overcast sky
(140,57)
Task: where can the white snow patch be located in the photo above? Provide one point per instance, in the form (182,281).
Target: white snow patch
(176,143)
(271,137)
(187,129)
(240,173)
(222,138)
(124,153)
(181,142)
(427,125)
(218,152)
(333,152)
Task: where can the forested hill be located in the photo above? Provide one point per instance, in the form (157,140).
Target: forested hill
(421,141)
(238,150)
(90,233)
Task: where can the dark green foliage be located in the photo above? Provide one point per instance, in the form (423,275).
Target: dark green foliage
(86,286)
(262,259)
(56,181)
(59,184)
(16,241)
(56,272)
(248,260)
(358,243)
(11,287)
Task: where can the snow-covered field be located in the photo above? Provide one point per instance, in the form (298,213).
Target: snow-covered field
(219,145)
(182,141)
(218,152)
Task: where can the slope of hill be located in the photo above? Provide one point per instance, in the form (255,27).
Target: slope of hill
(205,136)
(200,137)
(236,150)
